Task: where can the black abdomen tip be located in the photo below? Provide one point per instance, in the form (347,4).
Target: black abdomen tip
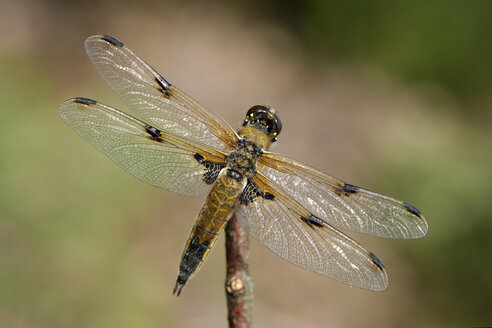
(85,101)
(180,283)
(113,41)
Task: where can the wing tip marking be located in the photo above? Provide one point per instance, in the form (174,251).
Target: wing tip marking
(376,261)
(113,41)
(412,209)
(85,101)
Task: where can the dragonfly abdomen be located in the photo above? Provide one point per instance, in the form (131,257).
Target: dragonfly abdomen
(217,210)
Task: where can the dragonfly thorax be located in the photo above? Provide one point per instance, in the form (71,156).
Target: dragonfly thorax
(243,158)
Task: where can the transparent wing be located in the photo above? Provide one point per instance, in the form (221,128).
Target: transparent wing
(290,231)
(340,204)
(153,98)
(159,159)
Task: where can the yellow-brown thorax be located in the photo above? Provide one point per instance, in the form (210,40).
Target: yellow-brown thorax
(255,136)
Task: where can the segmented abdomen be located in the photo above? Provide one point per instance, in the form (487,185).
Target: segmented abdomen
(217,210)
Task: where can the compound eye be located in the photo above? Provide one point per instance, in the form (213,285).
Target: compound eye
(264,121)
(271,126)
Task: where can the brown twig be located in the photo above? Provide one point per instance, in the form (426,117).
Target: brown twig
(239,287)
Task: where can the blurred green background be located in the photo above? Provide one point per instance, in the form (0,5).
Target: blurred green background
(395,97)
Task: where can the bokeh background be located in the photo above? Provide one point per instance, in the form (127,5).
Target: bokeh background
(395,97)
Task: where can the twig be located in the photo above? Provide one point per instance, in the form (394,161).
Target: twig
(239,287)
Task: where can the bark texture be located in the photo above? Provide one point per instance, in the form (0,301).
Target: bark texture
(239,287)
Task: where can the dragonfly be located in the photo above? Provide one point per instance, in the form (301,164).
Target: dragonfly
(295,210)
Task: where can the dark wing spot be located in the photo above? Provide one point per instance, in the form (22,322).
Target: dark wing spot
(162,82)
(212,169)
(250,192)
(85,101)
(346,189)
(376,261)
(113,41)
(313,221)
(412,209)
(164,86)
(316,221)
(154,133)
(350,189)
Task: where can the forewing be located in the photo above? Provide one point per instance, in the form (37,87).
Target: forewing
(155,99)
(293,233)
(155,157)
(343,205)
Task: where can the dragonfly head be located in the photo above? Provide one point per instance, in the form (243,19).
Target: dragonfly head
(264,119)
